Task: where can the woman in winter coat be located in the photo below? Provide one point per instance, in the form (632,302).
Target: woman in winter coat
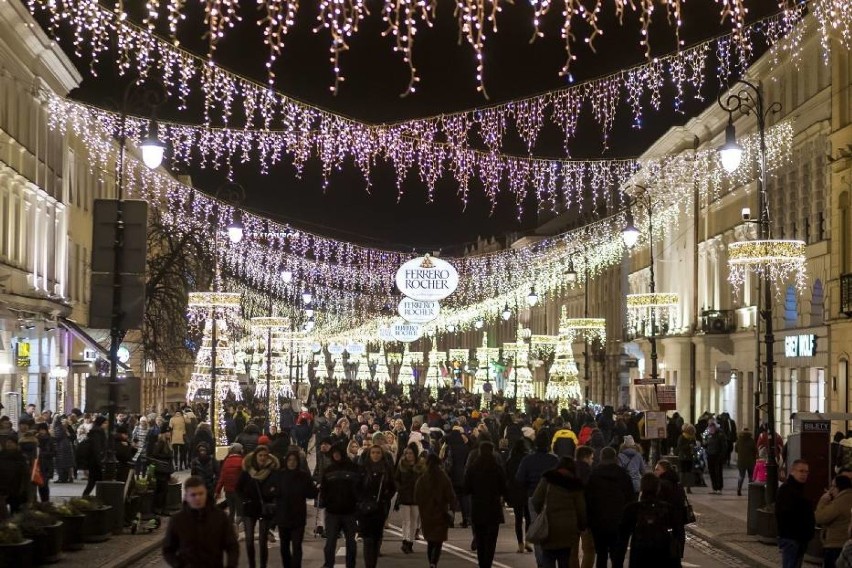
(408,471)
(630,458)
(46,456)
(295,486)
(161,456)
(205,466)
(434,496)
(64,462)
(833,515)
(258,489)
(485,482)
(229,476)
(178,426)
(249,438)
(715,444)
(378,486)
(672,493)
(746,449)
(137,441)
(516,495)
(685,452)
(648,522)
(560,496)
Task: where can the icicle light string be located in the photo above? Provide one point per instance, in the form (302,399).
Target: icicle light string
(345,269)
(95,29)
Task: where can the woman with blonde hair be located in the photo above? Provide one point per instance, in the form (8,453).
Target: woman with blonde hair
(686,456)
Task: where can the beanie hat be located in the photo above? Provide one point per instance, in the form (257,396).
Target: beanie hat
(236,448)
(263,441)
(628,442)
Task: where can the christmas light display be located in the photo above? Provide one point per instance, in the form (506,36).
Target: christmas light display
(485,356)
(381,374)
(363,376)
(435,378)
(781,260)
(519,382)
(639,306)
(406,370)
(320,368)
(584,329)
(269,332)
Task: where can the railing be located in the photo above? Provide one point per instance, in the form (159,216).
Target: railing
(718,321)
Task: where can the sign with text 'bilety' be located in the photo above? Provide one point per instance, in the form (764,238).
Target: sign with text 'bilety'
(418,311)
(406,332)
(426,278)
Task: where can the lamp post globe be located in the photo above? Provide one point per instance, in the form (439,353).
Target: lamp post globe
(730,153)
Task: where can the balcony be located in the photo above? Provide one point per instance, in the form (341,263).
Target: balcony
(643,330)
(718,321)
(846,295)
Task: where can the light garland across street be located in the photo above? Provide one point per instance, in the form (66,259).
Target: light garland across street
(782,260)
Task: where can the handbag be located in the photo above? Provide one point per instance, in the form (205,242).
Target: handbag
(35,475)
(689,512)
(369,507)
(267,510)
(539,529)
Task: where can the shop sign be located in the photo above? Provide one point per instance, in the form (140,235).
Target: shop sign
(800,345)
(406,332)
(655,425)
(418,311)
(667,397)
(821,426)
(386,333)
(356,348)
(23,354)
(336,348)
(426,278)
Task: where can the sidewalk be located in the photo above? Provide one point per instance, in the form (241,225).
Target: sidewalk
(722,522)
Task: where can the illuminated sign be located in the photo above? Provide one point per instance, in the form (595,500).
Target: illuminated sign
(800,345)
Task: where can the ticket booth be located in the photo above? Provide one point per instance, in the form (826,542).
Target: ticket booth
(811,441)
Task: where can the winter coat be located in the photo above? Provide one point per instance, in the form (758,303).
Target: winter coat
(657,556)
(434,496)
(322,462)
(197,538)
(793,512)
(566,508)
(64,450)
(516,494)
(485,482)
(46,456)
(14,474)
(532,468)
(248,438)
(97,449)
(715,444)
(340,487)
(458,452)
(229,473)
(406,477)
(257,486)
(834,516)
(207,469)
(608,491)
(746,449)
(178,426)
(633,463)
(294,488)
(137,440)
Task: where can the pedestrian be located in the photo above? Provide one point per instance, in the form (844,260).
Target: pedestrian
(408,471)
(123,453)
(485,482)
(229,475)
(200,534)
(608,491)
(205,466)
(93,457)
(454,456)
(560,496)
(434,496)
(64,461)
(161,457)
(137,442)
(339,491)
(794,515)
(46,457)
(178,426)
(257,488)
(249,436)
(14,476)
(833,515)
(746,449)
(715,444)
(630,458)
(584,458)
(686,456)
(516,494)
(530,470)
(322,460)
(672,493)
(295,486)
(377,489)
(647,527)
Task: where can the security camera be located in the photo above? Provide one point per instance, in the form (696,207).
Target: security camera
(746,213)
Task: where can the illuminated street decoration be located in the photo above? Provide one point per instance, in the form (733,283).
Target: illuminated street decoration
(781,261)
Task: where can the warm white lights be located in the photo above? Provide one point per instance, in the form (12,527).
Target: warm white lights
(532,297)
(236,230)
(630,234)
(570,273)
(507,313)
(286,276)
(307,298)
(730,153)
(781,260)
(479,324)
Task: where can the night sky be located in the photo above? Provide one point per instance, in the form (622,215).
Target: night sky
(376,75)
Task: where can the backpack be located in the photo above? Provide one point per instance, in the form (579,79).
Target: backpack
(651,531)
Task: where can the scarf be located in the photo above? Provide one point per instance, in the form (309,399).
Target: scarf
(251,466)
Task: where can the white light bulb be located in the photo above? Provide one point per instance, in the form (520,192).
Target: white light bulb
(152,152)
(286,276)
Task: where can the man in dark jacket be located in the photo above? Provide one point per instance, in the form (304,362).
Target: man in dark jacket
(485,482)
(198,535)
(455,456)
(608,491)
(339,492)
(795,516)
(94,458)
(14,475)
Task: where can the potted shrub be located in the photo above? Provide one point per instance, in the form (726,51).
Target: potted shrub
(96,524)
(15,550)
(174,497)
(45,530)
(72,523)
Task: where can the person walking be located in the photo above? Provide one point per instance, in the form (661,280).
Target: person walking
(672,493)
(530,470)
(516,495)
(178,426)
(229,475)
(137,442)
(408,471)
(630,458)
(715,444)
(14,476)
(200,534)
(46,456)
(93,457)
(64,462)
(833,515)
(258,490)
(746,449)
(608,491)
(794,515)
(322,460)
(560,496)
(485,482)
(686,456)
(454,455)
(339,491)
(647,527)
(205,466)
(295,486)
(433,493)
(376,492)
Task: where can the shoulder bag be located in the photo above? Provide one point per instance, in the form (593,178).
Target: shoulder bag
(367,507)
(267,510)
(539,529)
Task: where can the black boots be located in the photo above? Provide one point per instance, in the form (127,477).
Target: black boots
(407,546)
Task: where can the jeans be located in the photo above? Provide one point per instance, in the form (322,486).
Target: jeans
(291,537)
(433,552)
(333,524)
(179,451)
(792,552)
(714,465)
(587,545)
(263,536)
(410,515)
(743,472)
(522,514)
(539,552)
(44,491)
(464,504)
(557,557)
(235,505)
(608,546)
(96,474)
(486,543)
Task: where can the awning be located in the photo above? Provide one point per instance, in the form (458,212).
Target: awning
(81,334)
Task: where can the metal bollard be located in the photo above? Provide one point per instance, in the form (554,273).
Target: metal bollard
(756,500)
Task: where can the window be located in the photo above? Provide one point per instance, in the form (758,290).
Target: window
(791,308)
(817,304)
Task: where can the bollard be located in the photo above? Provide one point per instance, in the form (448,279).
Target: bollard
(756,500)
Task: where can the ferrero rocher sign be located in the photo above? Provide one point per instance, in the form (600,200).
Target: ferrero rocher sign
(418,311)
(406,332)
(427,279)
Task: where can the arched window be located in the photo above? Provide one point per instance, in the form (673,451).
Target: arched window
(791,308)
(817,304)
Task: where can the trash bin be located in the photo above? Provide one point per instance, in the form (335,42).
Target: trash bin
(756,500)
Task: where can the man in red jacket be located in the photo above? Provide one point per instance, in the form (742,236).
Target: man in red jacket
(229,474)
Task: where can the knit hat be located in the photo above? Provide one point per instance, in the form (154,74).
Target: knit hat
(263,441)
(628,442)
(236,448)
(528,432)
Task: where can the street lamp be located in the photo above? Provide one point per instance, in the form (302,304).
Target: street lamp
(307,298)
(532,297)
(236,229)
(748,100)
(507,313)
(630,234)
(286,275)
(153,149)
(570,274)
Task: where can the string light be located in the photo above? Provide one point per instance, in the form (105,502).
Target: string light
(782,260)
(588,329)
